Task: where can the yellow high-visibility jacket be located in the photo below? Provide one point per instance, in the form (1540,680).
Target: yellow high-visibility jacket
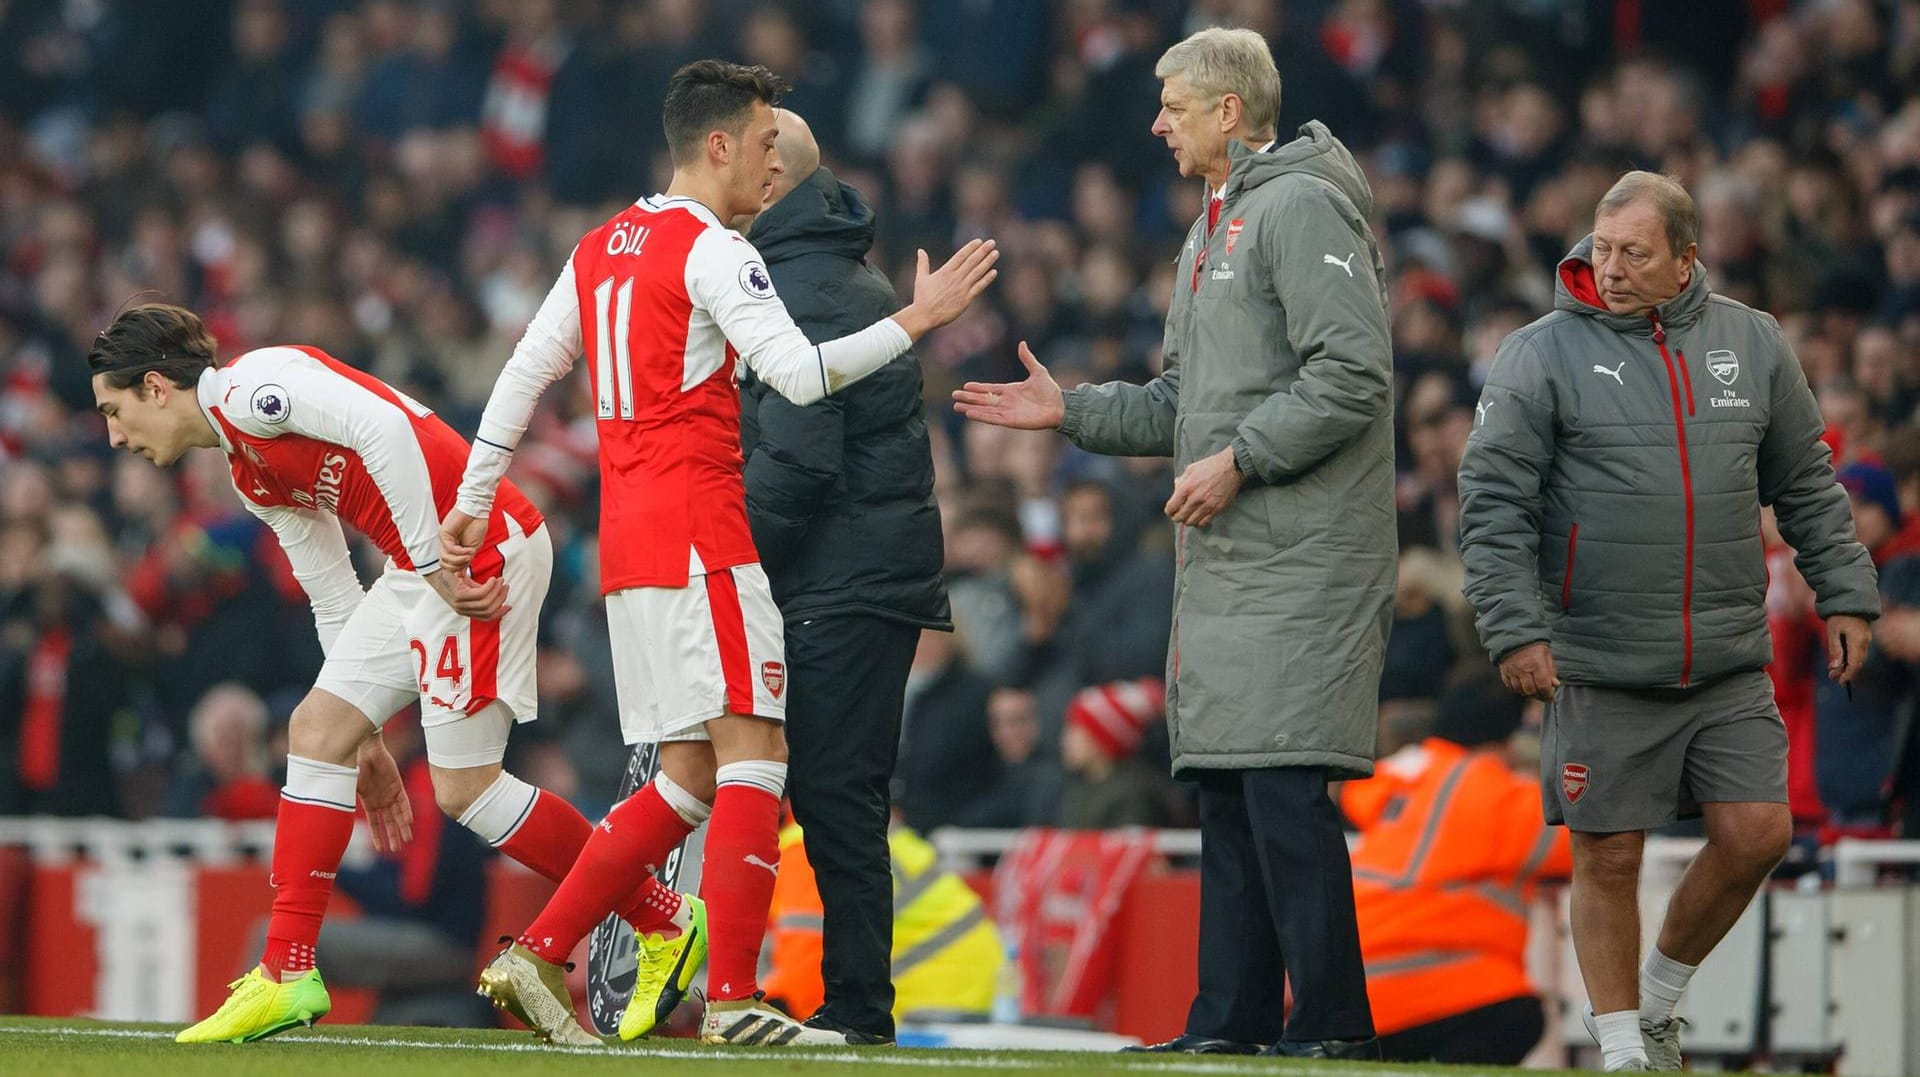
(946,953)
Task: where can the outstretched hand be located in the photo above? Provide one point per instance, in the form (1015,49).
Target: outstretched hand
(940,296)
(1034,404)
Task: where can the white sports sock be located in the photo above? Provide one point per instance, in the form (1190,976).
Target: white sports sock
(496,814)
(1620,1042)
(1662,979)
(684,804)
(309,781)
(762,774)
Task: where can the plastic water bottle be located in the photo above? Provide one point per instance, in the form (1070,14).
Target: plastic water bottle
(1007,986)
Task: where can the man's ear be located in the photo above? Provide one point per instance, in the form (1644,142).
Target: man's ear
(719,147)
(155,384)
(1231,108)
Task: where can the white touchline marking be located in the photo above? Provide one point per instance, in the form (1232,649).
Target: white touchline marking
(910,1057)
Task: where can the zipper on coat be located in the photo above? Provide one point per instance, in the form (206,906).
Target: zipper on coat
(1686,490)
(1566,581)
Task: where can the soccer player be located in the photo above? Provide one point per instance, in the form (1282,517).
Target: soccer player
(313,442)
(665,302)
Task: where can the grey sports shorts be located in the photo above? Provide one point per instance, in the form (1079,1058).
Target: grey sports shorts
(1615,759)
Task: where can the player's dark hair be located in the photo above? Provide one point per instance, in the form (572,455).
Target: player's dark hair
(153,337)
(713,95)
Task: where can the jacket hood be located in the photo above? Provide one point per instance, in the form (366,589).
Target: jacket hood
(821,215)
(1315,152)
(1575,290)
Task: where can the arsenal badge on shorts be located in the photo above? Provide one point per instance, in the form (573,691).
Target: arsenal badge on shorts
(774,676)
(1573,780)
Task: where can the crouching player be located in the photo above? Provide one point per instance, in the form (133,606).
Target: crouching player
(311,443)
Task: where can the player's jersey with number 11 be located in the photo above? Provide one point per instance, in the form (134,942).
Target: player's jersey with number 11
(649,284)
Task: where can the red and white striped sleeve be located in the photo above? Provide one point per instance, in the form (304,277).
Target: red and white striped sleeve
(315,402)
(545,354)
(727,278)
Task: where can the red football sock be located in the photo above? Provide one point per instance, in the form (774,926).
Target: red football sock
(626,848)
(309,838)
(736,877)
(654,908)
(550,840)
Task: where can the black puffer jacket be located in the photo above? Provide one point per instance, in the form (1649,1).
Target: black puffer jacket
(840,493)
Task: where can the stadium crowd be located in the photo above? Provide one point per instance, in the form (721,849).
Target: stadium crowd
(397,183)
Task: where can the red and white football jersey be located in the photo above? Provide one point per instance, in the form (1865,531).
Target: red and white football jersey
(312,441)
(665,303)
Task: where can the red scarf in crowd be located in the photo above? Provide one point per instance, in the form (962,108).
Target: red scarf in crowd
(45,703)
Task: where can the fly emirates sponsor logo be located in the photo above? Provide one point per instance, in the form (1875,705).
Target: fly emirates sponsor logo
(326,485)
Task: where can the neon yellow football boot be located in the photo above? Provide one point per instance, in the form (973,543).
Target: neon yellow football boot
(666,971)
(260,1007)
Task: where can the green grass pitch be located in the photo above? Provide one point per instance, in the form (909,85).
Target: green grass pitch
(65,1047)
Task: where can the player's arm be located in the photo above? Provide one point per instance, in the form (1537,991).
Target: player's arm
(726,277)
(315,402)
(316,546)
(545,354)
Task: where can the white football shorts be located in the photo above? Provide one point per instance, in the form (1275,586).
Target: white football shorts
(683,656)
(404,643)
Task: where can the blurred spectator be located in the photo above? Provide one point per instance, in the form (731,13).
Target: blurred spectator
(1452,845)
(1799,645)
(1439,416)
(422,79)
(513,117)
(890,79)
(1876,506)
(69,646)
(1860,730)
(1107,783)
(1423,648)
(1105,617)
(1027,788)
(947,756)
(253,101)
(226,776)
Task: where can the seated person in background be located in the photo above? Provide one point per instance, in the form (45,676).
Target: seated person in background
(1451,847)
(946,952)
(226,776)
(1027,790)
(1108,784)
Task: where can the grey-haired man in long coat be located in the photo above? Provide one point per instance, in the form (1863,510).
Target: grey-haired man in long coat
(1276,404)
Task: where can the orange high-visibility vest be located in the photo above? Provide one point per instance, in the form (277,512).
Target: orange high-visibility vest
(1452,843)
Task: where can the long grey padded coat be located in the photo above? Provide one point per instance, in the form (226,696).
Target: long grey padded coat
(1276,346)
